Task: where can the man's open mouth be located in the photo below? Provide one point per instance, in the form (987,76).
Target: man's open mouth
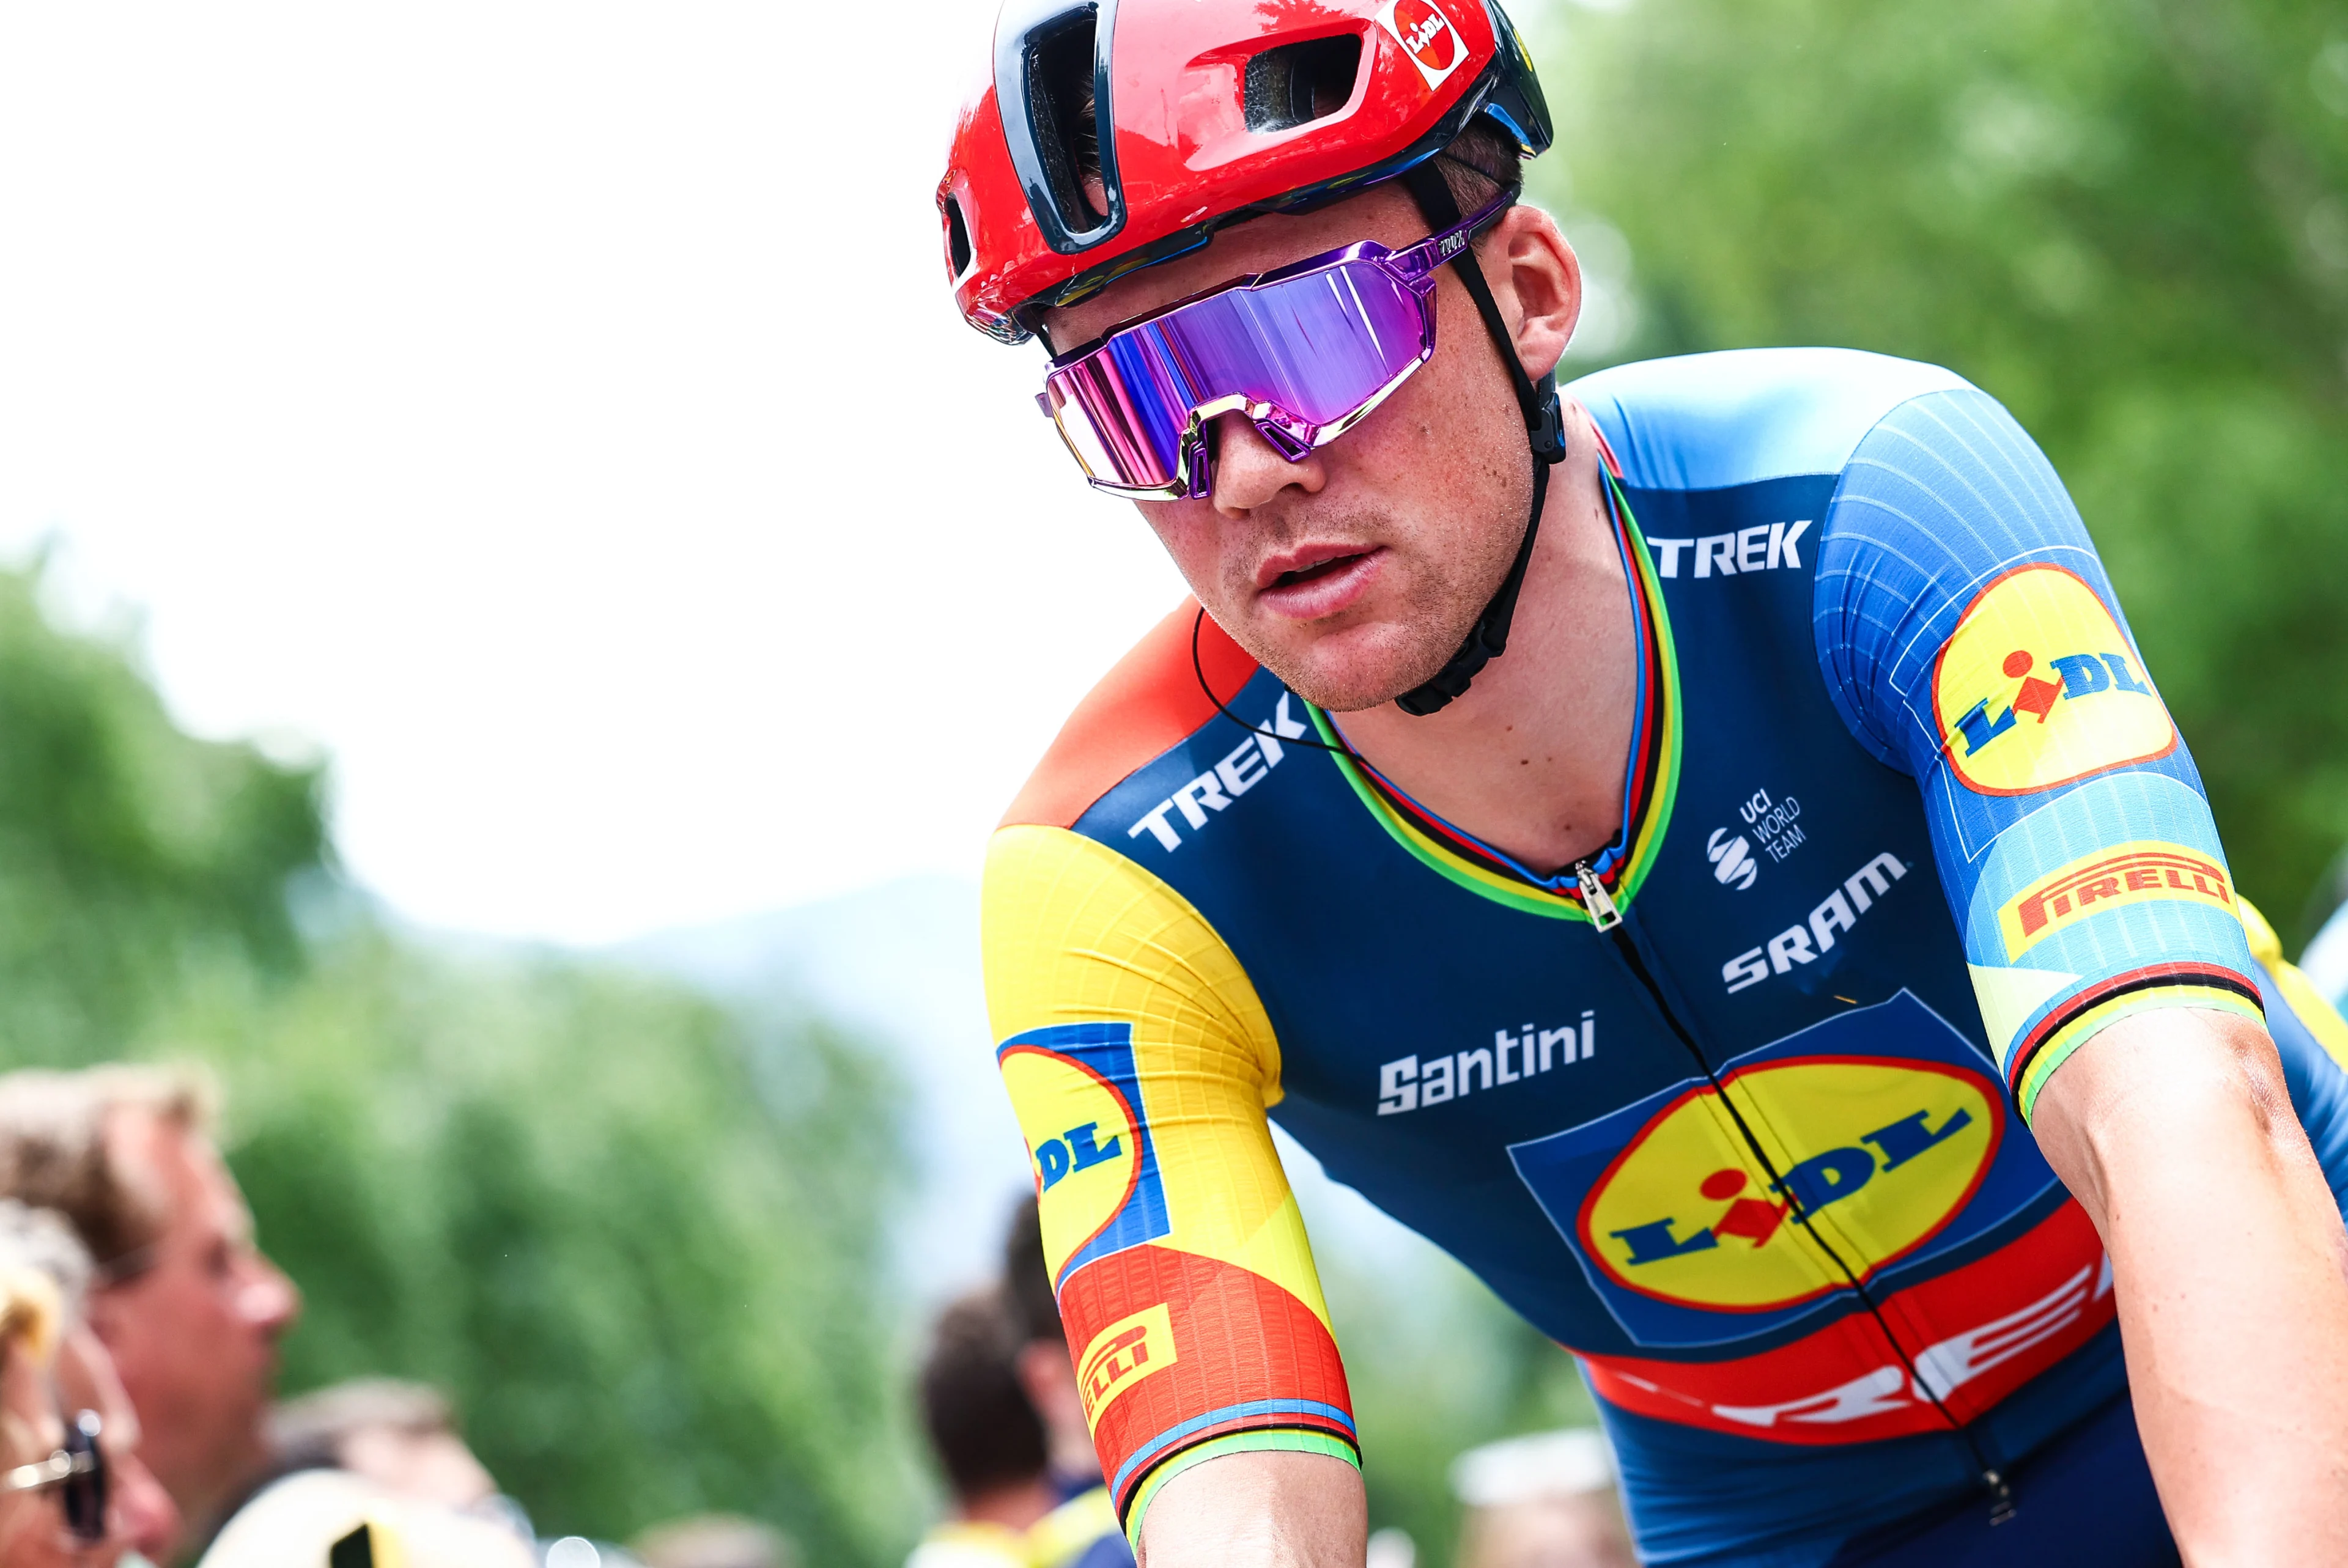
(1318,569)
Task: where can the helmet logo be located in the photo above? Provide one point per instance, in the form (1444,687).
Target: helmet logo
(1426,36)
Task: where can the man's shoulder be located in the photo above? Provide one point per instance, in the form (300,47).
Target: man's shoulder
(1711,421)
(1148,702)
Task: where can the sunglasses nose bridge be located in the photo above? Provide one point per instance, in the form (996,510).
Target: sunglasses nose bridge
(1279,428)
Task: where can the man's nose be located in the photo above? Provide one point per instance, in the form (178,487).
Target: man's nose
(268,1299)
(1248,473)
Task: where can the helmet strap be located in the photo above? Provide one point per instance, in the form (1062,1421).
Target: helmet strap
(1545,430)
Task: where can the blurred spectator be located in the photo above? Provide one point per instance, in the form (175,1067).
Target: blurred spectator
(1045,1362)
(402,1436)
(715,1540)
(987,1436)
(190,1309)
(1542,1502)
(1083,1530)
(295,1522)
(59,1395)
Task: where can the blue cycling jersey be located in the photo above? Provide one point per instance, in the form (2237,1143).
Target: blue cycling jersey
(1736,1110)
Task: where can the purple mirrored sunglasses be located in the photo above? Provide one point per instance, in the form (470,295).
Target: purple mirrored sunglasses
(1306,353)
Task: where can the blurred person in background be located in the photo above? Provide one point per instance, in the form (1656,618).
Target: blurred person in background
(1546,1501)
(715,1540)
(384,1453)
(73,1490)
(1048,1374)
(185,1301)
(400,1435)
(986,1437)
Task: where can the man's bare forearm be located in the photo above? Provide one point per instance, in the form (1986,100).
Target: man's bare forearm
(2175,1130)
(1259,1511)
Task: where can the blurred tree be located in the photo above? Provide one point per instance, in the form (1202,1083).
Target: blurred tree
(2127,219)
(637,1236)
(1437,1365)
(132,854)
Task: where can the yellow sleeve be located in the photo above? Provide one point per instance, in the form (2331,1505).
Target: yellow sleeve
(1140,1063)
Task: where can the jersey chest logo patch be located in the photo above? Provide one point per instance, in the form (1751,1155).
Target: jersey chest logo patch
(2036,688)
(1080,1107)
(1883,1153)
(1885,1140)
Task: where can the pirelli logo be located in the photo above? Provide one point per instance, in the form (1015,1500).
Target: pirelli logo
(2127,874)
(1133,1347)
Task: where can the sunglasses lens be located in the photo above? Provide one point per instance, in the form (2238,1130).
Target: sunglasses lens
(1121,412)
(1315,347)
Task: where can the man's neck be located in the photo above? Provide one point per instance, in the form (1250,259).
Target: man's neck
(1531,760)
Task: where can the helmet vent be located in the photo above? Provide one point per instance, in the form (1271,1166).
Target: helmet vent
(1297,84)
(958,252)
(1060,66)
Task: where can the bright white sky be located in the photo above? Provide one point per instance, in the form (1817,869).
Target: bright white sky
(556,414)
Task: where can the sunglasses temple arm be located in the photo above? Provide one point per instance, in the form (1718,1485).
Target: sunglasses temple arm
(1422,260)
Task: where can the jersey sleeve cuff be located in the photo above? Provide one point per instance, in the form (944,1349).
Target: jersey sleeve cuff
(2072,1022)
(1273,1439)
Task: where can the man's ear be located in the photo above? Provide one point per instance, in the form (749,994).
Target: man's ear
(1537,279)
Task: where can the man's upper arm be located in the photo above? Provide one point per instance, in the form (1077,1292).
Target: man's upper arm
(1971,638)
(1141,1064)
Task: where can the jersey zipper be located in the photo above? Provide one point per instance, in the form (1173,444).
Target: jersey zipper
(1606,917)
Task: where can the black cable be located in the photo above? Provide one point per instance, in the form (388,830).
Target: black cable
(1198,668)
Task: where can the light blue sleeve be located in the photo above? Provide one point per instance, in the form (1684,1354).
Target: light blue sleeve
(1969,638)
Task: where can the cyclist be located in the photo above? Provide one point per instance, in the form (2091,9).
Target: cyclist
(1704,848)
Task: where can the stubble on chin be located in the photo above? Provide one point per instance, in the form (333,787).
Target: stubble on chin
(1364,660)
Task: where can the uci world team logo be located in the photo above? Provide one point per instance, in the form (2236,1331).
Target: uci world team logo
(1884,1134)
(1079,1102)
(2036,687)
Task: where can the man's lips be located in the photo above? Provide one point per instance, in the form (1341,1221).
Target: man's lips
(1317,580)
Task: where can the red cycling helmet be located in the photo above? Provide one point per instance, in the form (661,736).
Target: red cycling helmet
(1200,113)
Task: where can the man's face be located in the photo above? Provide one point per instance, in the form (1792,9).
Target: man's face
(1355,574)
(194,1334)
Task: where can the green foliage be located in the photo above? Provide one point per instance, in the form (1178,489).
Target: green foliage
(2127,219)
(637,1240)
(132,854)
(1438,1366)
(634,1235)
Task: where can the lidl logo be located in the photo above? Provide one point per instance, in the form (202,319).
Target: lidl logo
(2036,687)
(1120,1355)
(1733,1206)
(1891,1149)
(1425,34)
(2125,874)
(1079,1105)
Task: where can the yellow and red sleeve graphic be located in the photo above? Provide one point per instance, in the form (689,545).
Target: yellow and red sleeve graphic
(1141,1064)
